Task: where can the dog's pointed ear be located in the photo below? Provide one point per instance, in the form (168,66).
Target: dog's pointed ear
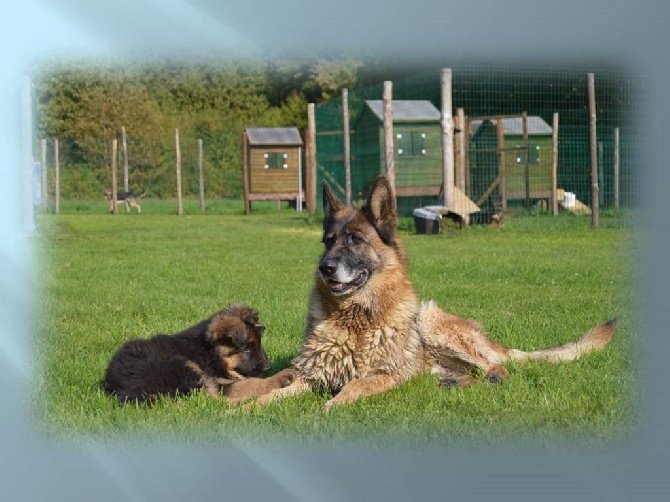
(380,208)
(331,204)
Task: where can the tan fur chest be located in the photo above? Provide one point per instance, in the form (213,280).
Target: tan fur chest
(336,351)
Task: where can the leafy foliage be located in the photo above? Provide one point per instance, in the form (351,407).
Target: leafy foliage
(214,99)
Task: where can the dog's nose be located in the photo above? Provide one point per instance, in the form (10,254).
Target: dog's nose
(327,268)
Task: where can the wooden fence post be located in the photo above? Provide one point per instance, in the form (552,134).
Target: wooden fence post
(43,162)
(180,206)
(124,149)
(502,174)
(524,129)
(115,206)
(201,179)
(617,167)
(447,123)
(245,172)
(595,189)
(310,154)
(388,133)
(468,167)
(461,148)
(308,174)
(347,145)
(601,173)
(554,165)
(56,178)
(299,199)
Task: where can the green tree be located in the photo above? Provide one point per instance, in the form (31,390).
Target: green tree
(213,99)
(85,108)
(329,76)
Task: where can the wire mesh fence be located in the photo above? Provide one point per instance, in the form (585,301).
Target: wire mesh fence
(510,121)
(80,168)
(525,101)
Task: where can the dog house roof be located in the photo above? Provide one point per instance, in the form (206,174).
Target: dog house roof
(407,110)
(289,136)
(514,125)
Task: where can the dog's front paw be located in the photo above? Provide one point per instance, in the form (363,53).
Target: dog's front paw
(496,374)
(448,382)
(339,400)
(285,377)
(329,404)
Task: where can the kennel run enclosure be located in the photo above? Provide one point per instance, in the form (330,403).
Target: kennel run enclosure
(510,167)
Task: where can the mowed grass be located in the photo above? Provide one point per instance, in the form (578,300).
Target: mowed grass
(539,281)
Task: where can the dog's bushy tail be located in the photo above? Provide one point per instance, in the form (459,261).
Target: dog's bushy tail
(595,339)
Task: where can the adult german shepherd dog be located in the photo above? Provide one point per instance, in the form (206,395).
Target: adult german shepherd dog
(366,330)
(220,354)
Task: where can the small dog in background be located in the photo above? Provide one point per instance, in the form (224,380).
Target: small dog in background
(219,354)
(130,199)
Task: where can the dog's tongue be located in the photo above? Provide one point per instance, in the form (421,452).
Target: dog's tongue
(336,286)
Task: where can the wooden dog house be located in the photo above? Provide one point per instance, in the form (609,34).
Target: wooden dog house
(272,165)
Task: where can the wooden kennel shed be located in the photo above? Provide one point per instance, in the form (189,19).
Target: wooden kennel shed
(527,158)
(417,144)
(272,165)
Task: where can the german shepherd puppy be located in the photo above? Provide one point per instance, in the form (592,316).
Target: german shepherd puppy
(217,354)
(129,199)
(366,330)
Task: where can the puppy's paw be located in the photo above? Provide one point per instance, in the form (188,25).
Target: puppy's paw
(240,407)
(285,377)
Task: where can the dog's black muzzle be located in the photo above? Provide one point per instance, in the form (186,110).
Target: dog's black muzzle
(341,275)
(328,267)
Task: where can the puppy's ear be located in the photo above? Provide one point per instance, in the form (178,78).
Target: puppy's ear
(331,204)
(250,317)
(226,329)
(380,208)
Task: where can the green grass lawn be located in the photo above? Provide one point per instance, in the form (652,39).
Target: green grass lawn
(539,281)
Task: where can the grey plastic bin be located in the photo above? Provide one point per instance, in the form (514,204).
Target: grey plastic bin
(426,222)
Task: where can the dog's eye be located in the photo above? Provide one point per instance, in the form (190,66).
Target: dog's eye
(354,239)
(329,240)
